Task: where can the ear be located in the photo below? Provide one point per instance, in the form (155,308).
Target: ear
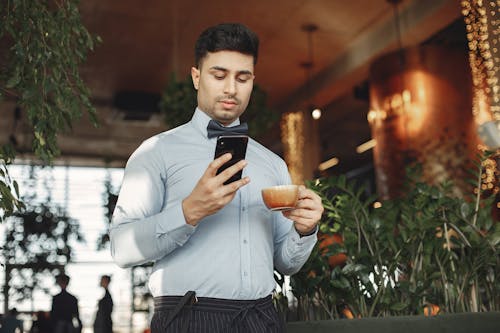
(195,75)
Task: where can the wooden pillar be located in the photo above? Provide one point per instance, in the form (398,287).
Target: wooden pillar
(420,110)
(300,139)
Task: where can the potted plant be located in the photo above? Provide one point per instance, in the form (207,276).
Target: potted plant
(425,252)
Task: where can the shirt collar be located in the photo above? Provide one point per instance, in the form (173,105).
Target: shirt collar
(200,121)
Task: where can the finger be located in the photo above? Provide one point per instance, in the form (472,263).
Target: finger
(310,204)
(231,188)
(304,212)
(229,172)
(216,164)
(303,218)
(300,214)
(307,193)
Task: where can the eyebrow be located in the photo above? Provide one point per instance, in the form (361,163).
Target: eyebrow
(219,68)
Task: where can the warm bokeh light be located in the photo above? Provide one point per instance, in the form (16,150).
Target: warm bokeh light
(328,164)
(316,114)
(366,146)
(483,34)
(292,138)
(419,112)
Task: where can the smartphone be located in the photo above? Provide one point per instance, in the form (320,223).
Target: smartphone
(237,146)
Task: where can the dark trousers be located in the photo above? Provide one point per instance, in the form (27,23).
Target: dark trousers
(214,315)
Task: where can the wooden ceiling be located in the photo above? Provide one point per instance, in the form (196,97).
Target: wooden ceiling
(143,43)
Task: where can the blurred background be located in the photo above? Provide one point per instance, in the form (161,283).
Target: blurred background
(389,82)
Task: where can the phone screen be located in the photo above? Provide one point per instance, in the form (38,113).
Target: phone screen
(237,146)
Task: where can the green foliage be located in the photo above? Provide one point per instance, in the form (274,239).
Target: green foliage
(38,242)
(179,100)
(258,115)
(39,239)
(43,43)
(427,247)
(110,198)
(9,189)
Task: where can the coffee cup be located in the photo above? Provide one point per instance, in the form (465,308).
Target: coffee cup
(281,197)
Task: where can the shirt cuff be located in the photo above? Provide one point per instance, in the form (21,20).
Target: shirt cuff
(303,239)
(173,225)
(297,246)
(310,233)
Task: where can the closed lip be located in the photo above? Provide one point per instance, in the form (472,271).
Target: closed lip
(228,102)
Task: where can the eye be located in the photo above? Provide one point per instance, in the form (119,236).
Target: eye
(219,75)
(243,78)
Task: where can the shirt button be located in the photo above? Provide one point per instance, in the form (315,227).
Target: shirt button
(243,209)
(245,241)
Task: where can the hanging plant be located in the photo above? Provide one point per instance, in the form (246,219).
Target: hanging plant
(42,45)
(178,102)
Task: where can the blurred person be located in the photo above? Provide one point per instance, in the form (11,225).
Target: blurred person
(64,315)
(42,323)
(214,246)
(103,322)
(10,323)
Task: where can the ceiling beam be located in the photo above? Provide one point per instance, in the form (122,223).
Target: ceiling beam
(417,23)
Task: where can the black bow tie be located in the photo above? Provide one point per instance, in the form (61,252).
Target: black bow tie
(215,129)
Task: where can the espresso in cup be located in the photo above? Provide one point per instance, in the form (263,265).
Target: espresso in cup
(281,197)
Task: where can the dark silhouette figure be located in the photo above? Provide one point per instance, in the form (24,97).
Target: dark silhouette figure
(103,322)
(64,314)
(42,324)
(10,323)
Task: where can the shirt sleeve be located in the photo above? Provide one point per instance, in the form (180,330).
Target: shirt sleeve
(291,251)
(142,230)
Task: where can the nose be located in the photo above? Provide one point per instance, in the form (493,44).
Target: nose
(230,86)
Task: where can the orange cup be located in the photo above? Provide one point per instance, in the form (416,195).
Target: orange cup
(281,197)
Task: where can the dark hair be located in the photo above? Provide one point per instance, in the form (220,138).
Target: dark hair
(62,278)
(226,37)
(106,277)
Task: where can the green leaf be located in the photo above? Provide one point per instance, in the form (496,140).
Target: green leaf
(16,188)
(398,306)
(14,79)
(353,269)
(341,283)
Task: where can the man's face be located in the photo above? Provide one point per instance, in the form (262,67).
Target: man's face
(224,82)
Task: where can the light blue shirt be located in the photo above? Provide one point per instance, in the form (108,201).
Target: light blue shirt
(230,254)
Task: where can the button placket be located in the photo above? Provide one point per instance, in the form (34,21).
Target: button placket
(244,238)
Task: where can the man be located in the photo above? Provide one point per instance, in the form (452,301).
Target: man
(10,323)
(42,323)
(103,322)
(64,314)
(215,244)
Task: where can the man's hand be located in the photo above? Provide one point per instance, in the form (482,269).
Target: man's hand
(308,211)
(210,194)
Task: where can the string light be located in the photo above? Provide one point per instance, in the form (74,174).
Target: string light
(482,26)
(483,34)
(394,105)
